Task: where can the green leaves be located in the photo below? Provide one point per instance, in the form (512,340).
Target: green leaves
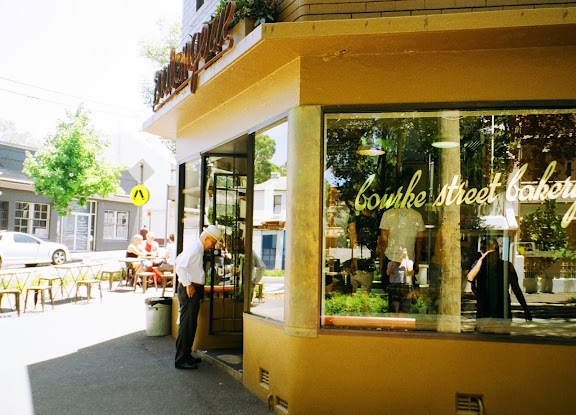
(70,166)
(262,11)
(543,226)
(363,304)
(265,147)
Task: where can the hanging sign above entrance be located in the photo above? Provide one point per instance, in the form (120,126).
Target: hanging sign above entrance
(139,195)
(184,67)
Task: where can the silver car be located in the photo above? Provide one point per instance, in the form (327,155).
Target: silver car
(18,248)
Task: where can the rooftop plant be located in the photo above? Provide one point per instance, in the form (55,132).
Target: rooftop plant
(262,11)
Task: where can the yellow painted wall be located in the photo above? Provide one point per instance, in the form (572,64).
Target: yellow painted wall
(355,372)
(360,373)
(345,372)
(204,340)
(271,96)
(456,76)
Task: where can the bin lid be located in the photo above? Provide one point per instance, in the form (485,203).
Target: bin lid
(158,300)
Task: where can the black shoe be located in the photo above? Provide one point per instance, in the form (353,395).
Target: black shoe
(194,360)
(185,366)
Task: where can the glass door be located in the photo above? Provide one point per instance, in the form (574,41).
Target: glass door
(225,206)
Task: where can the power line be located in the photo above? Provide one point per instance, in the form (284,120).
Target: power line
(59,93)
(63,103)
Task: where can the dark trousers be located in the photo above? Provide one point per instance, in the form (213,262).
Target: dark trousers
(189,308)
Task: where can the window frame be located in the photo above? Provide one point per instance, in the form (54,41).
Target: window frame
(116,226)
(34,219)
(487,107)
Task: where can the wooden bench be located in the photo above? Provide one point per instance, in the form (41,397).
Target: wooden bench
(88,284)
(16,294)
(39,289)
(144,283)
(167,276)
(109,274)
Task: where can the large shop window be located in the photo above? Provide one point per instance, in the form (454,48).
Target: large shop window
(32,218)
(269,221)
(451,221)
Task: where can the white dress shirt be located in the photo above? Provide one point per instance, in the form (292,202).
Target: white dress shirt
(190,264)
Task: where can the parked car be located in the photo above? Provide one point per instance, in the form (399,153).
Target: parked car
(18,248)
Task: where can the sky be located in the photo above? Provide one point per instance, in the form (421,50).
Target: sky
(56,54)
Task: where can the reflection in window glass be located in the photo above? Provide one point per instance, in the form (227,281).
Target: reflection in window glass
(269,222)
(32,218)
(454,221)
(3,215)
(192,198)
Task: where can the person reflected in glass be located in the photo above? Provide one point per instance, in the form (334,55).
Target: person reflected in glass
(363,232)
(493,277)
(400,227)
(398,268)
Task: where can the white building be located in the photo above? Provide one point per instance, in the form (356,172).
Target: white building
(270,220)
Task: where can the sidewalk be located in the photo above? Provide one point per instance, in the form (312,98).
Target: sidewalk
(96,359)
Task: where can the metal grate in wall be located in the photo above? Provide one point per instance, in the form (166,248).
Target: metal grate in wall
(281,405)
(469,404)
(264,378)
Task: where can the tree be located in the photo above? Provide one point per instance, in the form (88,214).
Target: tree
(157,51)
(543,227)
(70,165)
(264,150)
(10,134)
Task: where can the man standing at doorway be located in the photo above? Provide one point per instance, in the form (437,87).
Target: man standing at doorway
(190,271)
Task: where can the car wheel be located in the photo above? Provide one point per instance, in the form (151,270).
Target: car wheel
(58,257)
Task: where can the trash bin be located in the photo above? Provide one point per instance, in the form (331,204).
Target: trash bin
(158,316)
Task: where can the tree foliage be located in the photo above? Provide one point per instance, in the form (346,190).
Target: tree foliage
(157,51)
(264,150)
(543,226)
(70,165)
(10,134)
(262,11)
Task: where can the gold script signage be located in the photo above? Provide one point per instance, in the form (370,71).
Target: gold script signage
(457,193)
(206,47)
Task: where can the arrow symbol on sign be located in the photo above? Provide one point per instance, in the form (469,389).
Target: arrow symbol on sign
(138,193)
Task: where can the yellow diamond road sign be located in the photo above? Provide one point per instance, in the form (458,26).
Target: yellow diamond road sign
(139,195)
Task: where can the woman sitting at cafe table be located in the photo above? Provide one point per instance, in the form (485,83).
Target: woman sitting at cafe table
(135,250)
(151,249)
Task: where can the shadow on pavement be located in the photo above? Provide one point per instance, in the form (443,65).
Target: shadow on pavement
(135,374)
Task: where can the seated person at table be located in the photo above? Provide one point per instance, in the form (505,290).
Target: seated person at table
(151,248)
(167,264)
(134,250)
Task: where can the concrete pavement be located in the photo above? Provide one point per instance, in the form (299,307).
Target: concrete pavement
(96,359)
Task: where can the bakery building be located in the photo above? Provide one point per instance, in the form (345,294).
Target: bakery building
(430,168)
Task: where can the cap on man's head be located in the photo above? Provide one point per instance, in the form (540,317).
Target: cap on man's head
(214,231)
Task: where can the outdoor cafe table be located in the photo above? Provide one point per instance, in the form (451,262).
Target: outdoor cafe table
(13,281)
(76,271)
(132,264)
(17,278)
